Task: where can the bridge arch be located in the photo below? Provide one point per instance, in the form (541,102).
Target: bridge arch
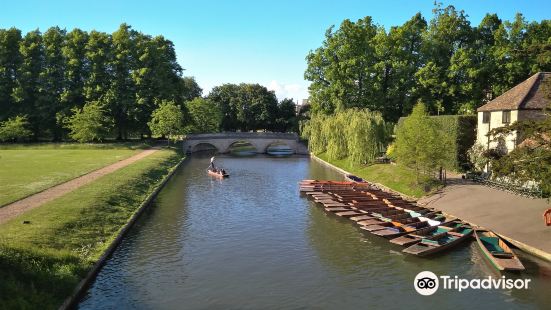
(242,147)
(279,147)
(203,146)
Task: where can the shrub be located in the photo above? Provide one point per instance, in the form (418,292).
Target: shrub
(14,129)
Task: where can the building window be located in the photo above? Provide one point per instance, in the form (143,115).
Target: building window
(485,117)
(506,117)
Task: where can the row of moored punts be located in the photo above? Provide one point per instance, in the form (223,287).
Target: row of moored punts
(422,231)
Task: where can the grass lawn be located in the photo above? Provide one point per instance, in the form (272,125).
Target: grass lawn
(41,262)
(28,169)
(398,178)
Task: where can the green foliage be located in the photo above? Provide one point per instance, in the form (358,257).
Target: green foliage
(14,129)
(248,107)
(422,144)
(358,134)
(45,76)
(450,65)
(91,123)
(205,116)
(167,120)
(461,129)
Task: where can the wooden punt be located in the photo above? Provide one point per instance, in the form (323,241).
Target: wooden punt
(441,242)
(393,223)
(398,229)
(218,173)
(496,251)
(416,236)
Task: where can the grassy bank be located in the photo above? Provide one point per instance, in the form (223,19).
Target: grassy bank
(41,262)
(28,170)
(395,177)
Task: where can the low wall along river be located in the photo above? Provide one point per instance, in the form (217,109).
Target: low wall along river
(252,242)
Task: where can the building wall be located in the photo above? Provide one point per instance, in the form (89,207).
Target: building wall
(495,122)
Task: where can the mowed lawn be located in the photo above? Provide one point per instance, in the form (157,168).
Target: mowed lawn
(396,177)
(25,171)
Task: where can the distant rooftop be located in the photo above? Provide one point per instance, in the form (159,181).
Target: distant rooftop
(527,95)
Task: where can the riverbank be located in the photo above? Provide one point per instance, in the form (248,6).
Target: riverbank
(387,176)
(41,262)
(516,219)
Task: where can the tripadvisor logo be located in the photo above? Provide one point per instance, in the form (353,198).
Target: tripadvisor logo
(427,283)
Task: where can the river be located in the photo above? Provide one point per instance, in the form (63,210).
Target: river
(252,242)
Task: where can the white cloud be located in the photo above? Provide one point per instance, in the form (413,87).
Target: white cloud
(294,91)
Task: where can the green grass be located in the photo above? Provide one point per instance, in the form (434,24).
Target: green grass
(398,178)
(41,262)
(25,170)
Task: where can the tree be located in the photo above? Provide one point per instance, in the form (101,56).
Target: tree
(122,85)
(10,60)
(189,88)
(420,144)
(52,77)
(359,134)
(14,129)
(286,116)
(245,106)
(89,123)
(205,116)
(76,70)
(98,56)
(27,92)
(167,120)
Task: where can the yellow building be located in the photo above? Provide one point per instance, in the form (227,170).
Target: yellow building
(523,102)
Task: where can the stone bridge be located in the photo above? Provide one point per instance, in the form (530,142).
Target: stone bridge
(259,140)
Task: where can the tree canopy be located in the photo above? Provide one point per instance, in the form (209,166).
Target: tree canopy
(248,107)
(452,66)
(45,76)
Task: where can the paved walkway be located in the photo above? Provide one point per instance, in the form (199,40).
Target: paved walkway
(21,206)
(512,216)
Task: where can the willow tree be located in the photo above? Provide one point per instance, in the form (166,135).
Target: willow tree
(357,134)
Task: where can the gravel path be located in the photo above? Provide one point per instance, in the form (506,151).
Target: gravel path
(34,201)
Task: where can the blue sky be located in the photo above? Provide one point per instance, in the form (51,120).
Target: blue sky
(237,41)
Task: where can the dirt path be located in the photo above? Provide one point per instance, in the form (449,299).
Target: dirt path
(21,206)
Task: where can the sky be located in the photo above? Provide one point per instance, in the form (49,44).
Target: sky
(237,41)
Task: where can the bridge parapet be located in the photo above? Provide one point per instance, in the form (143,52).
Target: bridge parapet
(244,135)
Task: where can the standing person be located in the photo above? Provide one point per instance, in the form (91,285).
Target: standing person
(212,163)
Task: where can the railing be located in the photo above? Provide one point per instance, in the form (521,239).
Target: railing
(525,190)
(243,135)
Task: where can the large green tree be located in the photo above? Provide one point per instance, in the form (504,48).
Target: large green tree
(10,61)
(28,90)
(420,143)
(52,80)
